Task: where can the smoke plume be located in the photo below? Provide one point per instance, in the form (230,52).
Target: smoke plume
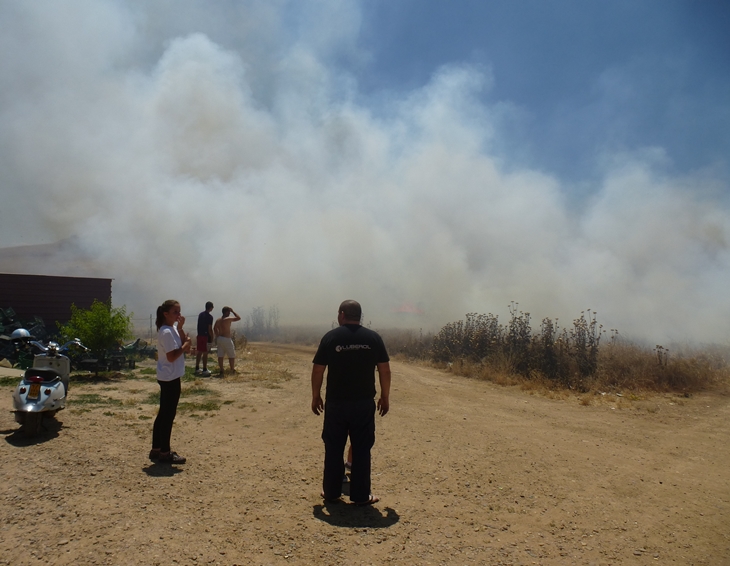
(239,164)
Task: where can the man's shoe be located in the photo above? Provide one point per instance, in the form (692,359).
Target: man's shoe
(198,372)
(370,501)
(155,454)
(205,373)
(171,458)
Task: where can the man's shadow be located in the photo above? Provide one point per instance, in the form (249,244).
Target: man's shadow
(341,514)
(161,470)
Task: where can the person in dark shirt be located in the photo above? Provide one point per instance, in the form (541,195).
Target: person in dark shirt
(350,353)
(204,340)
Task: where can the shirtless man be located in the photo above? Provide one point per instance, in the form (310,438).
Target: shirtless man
(223,339)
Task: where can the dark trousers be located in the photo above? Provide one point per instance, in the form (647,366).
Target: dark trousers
(356,418)
(162,429)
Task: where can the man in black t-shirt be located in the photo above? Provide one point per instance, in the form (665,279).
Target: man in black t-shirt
(351,352)
(204,340)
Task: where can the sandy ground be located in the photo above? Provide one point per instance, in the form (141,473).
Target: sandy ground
(468,473)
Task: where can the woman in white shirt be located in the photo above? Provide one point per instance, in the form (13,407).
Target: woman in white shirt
(172,345)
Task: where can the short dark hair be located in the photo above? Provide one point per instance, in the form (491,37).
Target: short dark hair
(351,309)
(226,311)
(208,306)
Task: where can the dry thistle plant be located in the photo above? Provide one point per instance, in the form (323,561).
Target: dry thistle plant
(570,358)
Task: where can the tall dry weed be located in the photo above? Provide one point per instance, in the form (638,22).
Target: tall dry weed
(571,358)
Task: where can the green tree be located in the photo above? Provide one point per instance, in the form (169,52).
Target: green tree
(100,328)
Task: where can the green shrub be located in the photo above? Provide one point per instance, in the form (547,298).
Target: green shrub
(100,327)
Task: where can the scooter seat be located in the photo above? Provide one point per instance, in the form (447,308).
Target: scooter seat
(46,374)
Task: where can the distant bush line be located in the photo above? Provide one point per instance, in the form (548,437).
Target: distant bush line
(580,357)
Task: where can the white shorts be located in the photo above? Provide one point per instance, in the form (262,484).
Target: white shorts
(225,347)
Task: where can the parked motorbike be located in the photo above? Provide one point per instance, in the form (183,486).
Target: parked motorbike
(20,348)
(43,390)
(75,351)
(139,350)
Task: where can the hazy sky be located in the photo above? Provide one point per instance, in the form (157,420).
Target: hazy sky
(452,155)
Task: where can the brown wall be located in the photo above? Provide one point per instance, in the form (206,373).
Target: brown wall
(50,297)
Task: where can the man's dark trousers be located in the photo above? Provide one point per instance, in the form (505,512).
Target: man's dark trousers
(356,418)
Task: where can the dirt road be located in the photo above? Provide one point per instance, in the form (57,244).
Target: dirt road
(467,473)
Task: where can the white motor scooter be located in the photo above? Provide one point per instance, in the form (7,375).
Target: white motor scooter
(43,389)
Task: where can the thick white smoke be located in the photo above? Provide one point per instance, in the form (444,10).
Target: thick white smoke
(247,177)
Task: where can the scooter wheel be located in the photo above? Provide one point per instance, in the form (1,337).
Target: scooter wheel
(32,425)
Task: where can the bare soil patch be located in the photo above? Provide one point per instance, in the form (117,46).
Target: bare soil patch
(467,472)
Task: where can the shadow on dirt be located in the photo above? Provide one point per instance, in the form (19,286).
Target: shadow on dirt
(341,514)
(49,431)
(158,470)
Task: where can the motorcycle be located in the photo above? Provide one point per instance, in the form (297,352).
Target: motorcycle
(20,348)
(43,390)
(75,351)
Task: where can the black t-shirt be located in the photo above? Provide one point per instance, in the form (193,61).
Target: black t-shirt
(351,352)
(205,319)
